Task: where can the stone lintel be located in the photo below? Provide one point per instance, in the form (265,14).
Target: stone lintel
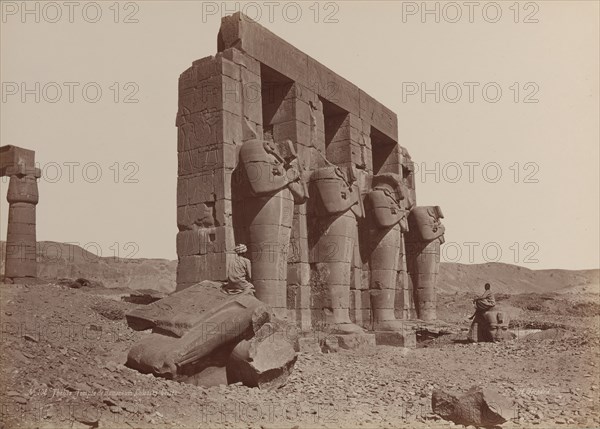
(239,31)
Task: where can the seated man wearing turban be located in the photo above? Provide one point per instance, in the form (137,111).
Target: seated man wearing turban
(239,272)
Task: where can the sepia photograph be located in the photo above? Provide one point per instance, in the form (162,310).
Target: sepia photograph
(300,214)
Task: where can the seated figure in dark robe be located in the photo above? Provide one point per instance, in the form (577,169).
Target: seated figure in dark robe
(482,303)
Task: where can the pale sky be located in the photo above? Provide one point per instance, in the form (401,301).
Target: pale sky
(536,201)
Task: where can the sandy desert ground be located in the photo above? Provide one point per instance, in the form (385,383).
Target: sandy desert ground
(63,354)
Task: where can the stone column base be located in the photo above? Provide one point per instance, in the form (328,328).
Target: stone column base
(396,339)
(355,341)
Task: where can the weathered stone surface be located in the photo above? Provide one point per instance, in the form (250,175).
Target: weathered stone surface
(388,218)
(22,196)
(332,86)
(377,114)
(355,341)
(423,240)
(13,156)
(239,31)
(477,407)
(264,361)
(425,223)
(270,170)
(407,338)
(182,311)
(491,326)
(206,266)
(280,153)
(207,377)
(331,345)
(309,345)
(193,329)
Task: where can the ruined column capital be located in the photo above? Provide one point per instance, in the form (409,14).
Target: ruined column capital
(22,170)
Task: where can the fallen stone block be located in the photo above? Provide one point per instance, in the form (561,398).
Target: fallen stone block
(179,358)
(355,341)
(330,345)
(203,303)
(264,361)
(193,329)
(207,377)
(309,345)
(478,407)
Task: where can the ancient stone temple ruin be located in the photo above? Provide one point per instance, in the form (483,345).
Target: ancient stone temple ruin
(280,153)
(19,164)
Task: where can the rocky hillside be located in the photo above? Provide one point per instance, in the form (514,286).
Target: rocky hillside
(513,279)
(60,260)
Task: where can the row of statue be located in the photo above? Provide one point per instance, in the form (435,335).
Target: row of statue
(337,199)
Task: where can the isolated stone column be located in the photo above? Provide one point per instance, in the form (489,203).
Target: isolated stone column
(22,196)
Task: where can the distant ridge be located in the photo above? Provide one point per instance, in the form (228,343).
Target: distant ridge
(507,278)
(61,260)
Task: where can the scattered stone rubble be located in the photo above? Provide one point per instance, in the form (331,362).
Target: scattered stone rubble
(73,358)
(477,407)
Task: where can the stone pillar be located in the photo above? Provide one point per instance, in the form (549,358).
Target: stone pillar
(268,216)
(405,307)
(384,273)
(22,196)
(424,266)
(332,253)
(299,118)
(269,242)
(406,303)
(336,203)
(348,145)
(426,234)
(219,99)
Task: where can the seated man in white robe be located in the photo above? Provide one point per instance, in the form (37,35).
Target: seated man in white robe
(239,272)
